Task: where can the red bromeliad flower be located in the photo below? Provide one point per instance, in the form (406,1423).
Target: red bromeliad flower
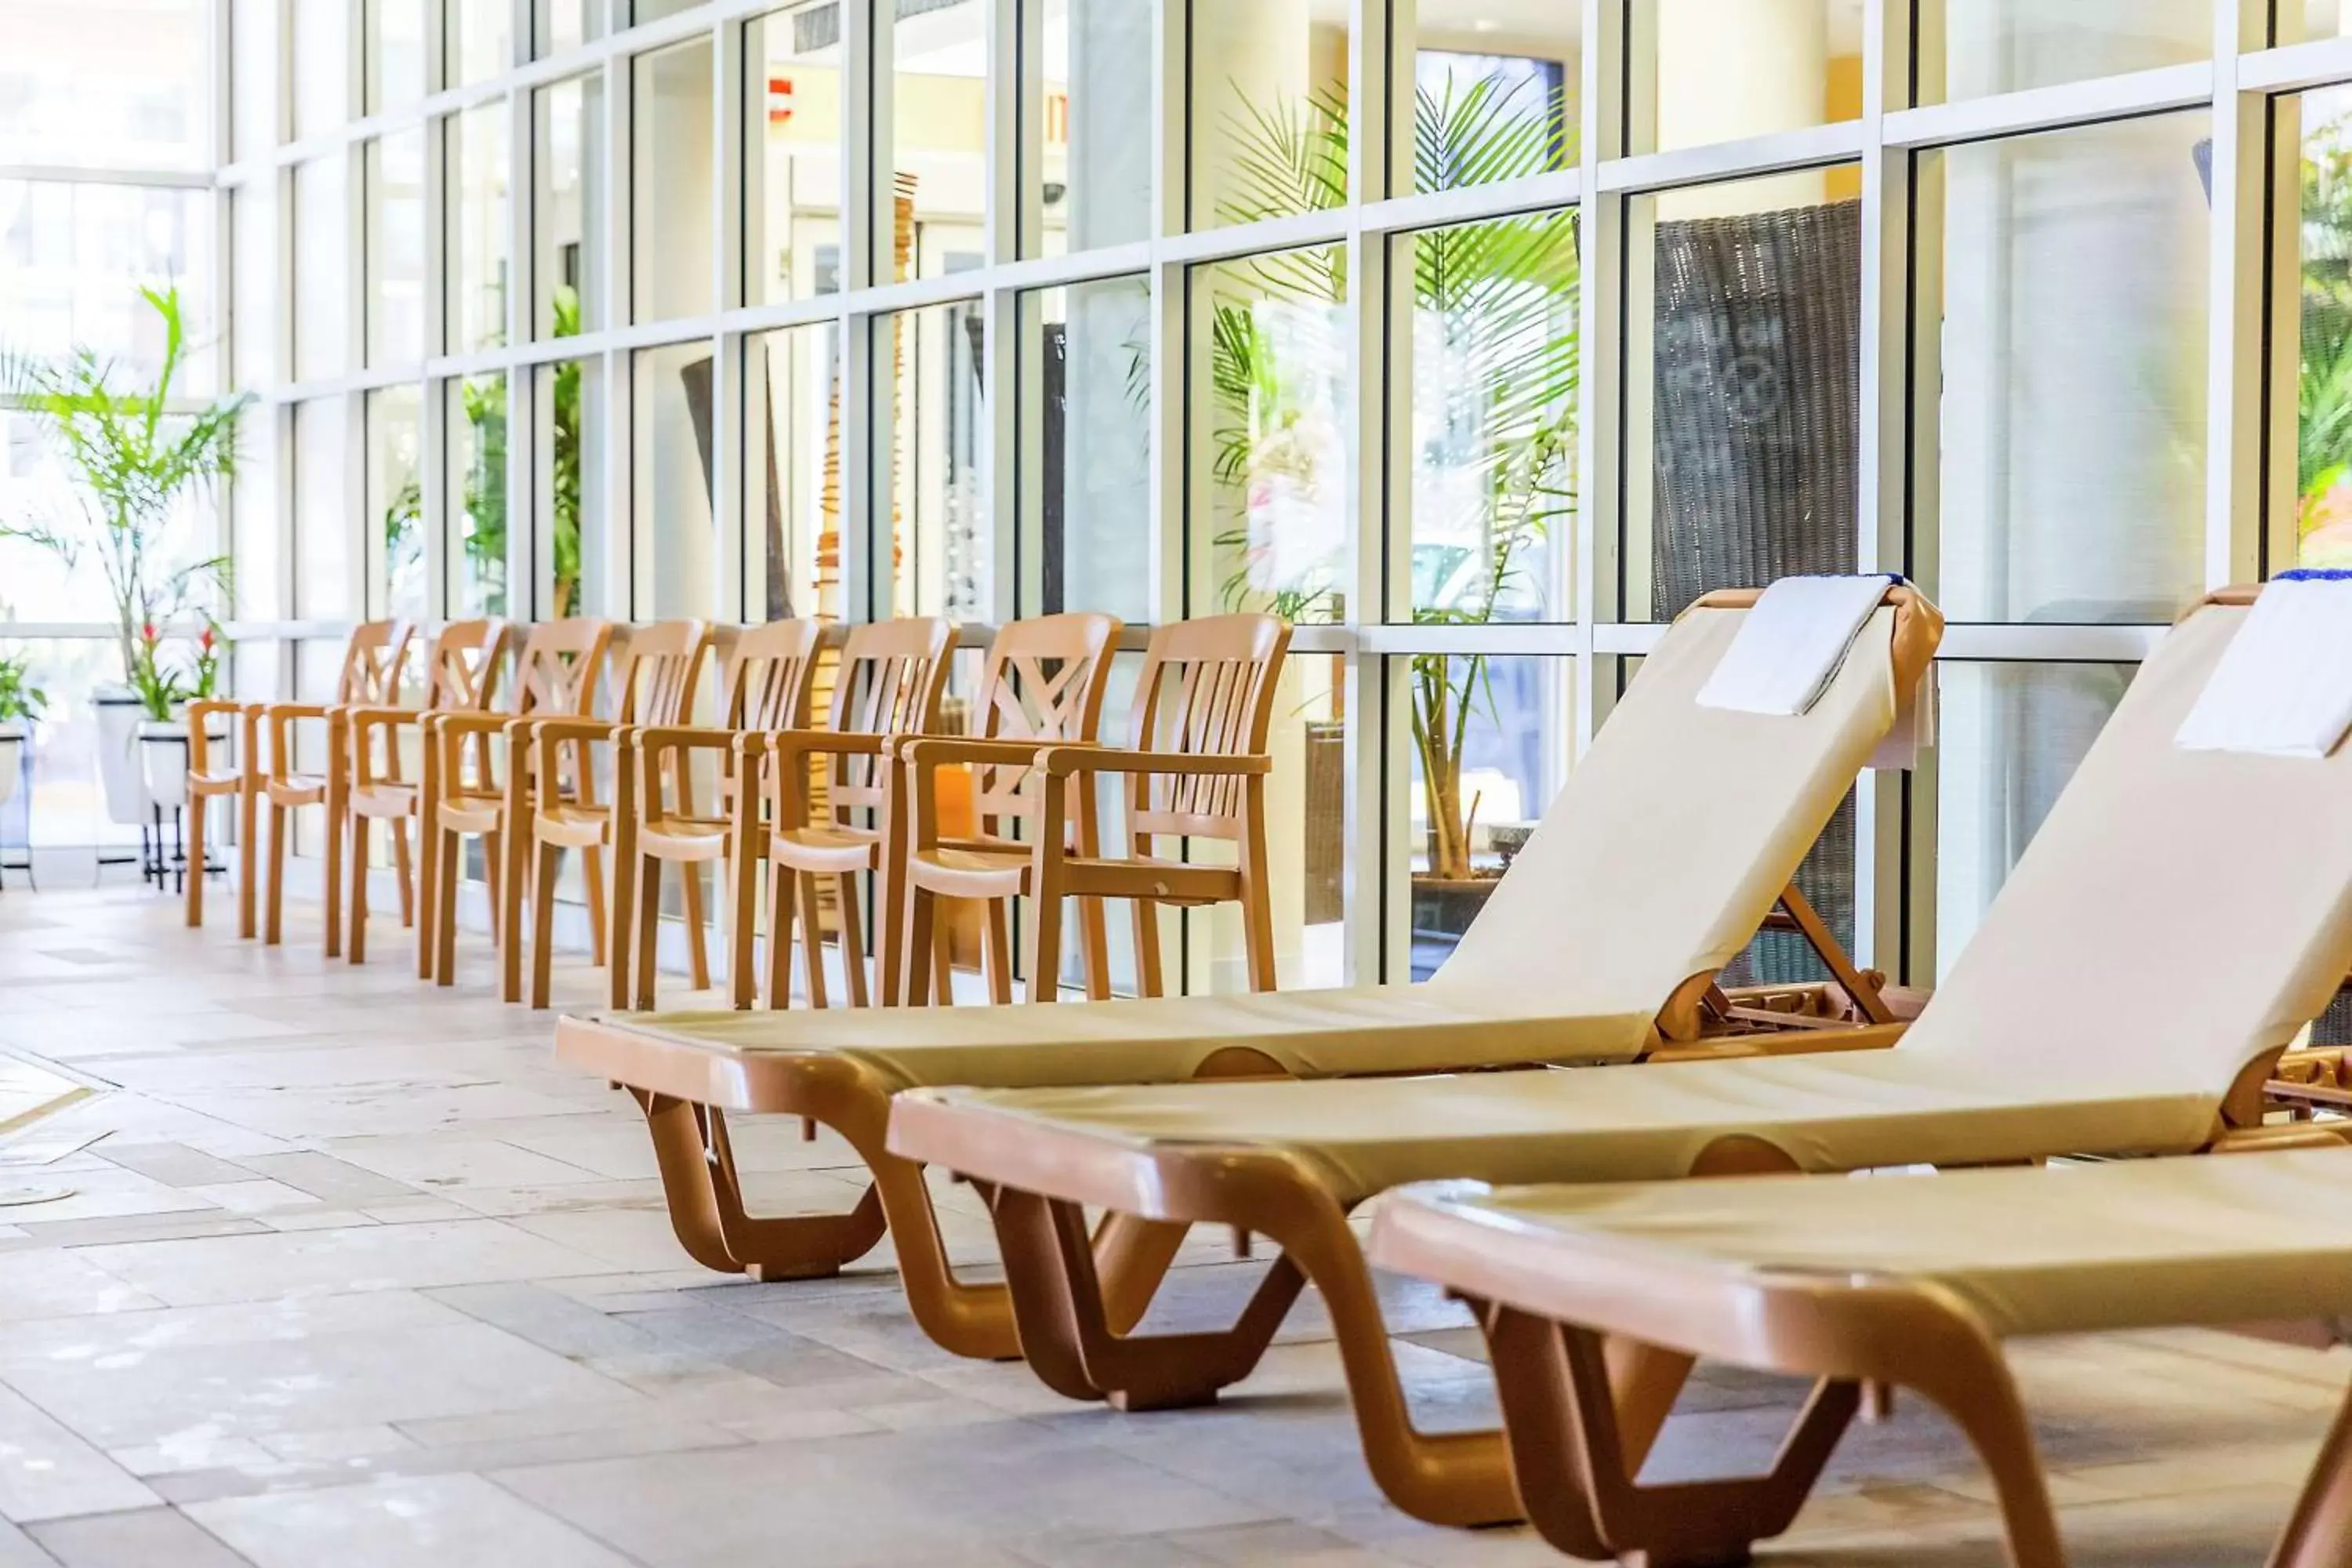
(205,640)
(147,633)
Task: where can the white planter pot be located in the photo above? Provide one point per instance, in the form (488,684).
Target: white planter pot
(119,714)
(14,738)
(162,749)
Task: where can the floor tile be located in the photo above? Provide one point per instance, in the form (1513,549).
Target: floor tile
(432,1521)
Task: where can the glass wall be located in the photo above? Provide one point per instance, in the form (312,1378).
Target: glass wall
(660,309)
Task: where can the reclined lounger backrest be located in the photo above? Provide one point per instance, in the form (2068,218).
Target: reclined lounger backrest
(1647,871)
(2181,913)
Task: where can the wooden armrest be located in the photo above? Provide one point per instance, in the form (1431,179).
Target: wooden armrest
(469,722)
(940,751)
(831,742)
(1064,761)
(655,736)
(552,731)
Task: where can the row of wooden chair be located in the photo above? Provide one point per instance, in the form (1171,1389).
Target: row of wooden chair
(796,810)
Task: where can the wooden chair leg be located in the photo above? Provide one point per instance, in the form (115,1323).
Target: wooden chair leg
(2320,1534)
(1045,945)
(1000,957)
(273,915)
(517,839)
(494,878)
(1147,979)
(646,929)
(1257,926)
(918,910)
(405,868)
(697,955)
(628,930)
(782,884)
(192,890)
(1095,938)
(942,963)
(852,941)
(355,939)
(248,814)
(632,874)
(600,918)
(542,921)
(428,894)
(743,887)
(1981,1399)
(448,849)
(330,857)
(811,940)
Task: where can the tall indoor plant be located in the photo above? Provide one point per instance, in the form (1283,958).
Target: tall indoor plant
(1494,302)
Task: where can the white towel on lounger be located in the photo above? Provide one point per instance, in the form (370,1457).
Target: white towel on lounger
(2283,686)
(1791,644)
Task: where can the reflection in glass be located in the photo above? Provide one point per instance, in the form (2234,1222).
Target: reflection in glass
(477,499)
(2324,404)
(395,246)
(395,54)
(671,220)
(1742,381)
(395,499)
(477,262)
(322,532)
(939,91)
(72,94)
(322,295)
(1495,378)
(1087,393)
(73,258)
(792,223)
(940,541)
(1091,118)
(1979,46)
(323,46)
(568,233)
(558,24)
(792,468)
(2059,499)
(1481,117)
(570,402)
(481,40)
(254,546)
(1269,111)
(1719,72)
(1491,740)
(673,540)
(2008,736)
(1278,444)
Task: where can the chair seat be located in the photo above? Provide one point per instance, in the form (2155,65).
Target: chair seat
(217,781)
(1152,876)
(684,837)
(973,871)
(471,814)
(297,789)
(826,847)
(572,825)
(388,797)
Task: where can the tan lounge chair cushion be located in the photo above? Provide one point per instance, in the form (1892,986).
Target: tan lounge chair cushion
(1569,961)
(2137,1244)
(1838,1111)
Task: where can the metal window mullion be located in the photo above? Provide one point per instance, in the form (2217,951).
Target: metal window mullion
(2233,397)
(530,567)
(615,595)
(1012,455)
(1599,272)
(731,115)
(1014,201)
(867,580)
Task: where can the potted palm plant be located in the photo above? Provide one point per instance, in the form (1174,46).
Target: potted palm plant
(136,454)
(1495,337)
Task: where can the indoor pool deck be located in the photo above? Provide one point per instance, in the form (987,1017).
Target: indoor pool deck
(348,1271)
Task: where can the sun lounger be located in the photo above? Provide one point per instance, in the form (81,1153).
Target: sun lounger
(1634,927)
(2179,918)
(1909,1281)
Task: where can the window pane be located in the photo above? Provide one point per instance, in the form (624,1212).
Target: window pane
(2008,736)
(792,240)
(254,546)
(481,41)
(940,538)
(1979,46)
(655,10)
(322,530)
(792,472)
(2324,451)
(1272,466)
(256,122)
(2061,501)
(1085,375)
(573,532)
(74,257)
(1269,111)
(395,54)
(566,23)
(674,538)
(672,219)
(939,88)
(395,239)
(478,263)
(478,496)
(71,94)
(1491,742)
(1716,72)
(322,64)
(1307,835)
(1480,115)
(253,266)
(1742,387)
(322,295)
(1494,364)
(1091,116)
(65,807)
(41,487)
(393,499)
(569,221)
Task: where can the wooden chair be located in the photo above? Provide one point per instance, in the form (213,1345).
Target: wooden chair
(374,658)
(767,675)
(556,674)
(368,783)
(661,665)
(889,683)
(374,662)
(1044,684)
(1195,768)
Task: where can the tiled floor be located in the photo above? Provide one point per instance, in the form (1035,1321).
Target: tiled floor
(340,1270)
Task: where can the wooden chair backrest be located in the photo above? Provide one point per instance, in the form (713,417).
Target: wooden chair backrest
(1045,680)
(1207,690)
(660,669)
(463,663)
(767,675)
(889,680)
(556,674)
(376,664)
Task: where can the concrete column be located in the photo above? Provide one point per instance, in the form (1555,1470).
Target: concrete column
(1733,68)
